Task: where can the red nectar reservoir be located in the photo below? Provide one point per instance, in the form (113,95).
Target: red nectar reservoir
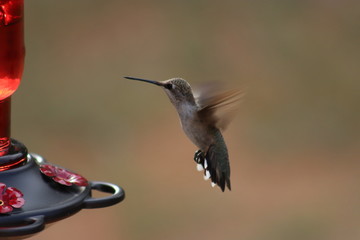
(12,53)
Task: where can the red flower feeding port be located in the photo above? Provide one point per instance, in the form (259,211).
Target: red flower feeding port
(10,198)
(63,176)
(33,192)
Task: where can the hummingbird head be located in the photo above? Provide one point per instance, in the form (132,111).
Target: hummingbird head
(177,89)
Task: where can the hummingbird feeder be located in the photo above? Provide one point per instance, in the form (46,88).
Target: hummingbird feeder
(33,192)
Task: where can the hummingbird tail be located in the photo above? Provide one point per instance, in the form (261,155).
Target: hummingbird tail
(215,165)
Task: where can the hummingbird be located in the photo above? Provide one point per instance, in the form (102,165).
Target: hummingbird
(202,126)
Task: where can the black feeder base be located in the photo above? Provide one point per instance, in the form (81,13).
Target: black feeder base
(47,201)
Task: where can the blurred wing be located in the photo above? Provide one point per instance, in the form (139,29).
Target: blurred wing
(218,108)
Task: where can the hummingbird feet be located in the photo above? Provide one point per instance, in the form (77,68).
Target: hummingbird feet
(202,165)
(199,158)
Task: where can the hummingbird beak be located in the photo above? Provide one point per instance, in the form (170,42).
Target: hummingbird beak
(145,80)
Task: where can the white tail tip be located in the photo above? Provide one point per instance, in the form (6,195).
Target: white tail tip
(199,167)
(207,175)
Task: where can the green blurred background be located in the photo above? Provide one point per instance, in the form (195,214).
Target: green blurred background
(294,145)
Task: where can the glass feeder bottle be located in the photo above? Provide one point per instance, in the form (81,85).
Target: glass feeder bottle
(12,53)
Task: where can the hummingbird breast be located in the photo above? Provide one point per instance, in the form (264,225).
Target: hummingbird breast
(197,130)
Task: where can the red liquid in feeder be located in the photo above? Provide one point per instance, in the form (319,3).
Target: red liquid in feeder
(12,52)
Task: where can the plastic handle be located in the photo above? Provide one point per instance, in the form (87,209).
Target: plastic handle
(117,196)
(31,225)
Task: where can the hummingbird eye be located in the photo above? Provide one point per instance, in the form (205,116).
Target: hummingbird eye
(168,86)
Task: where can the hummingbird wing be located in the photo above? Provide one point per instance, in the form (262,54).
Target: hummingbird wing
(218,108)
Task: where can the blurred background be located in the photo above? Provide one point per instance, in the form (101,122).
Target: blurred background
(294,144)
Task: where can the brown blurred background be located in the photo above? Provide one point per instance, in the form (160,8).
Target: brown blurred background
(294,145)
